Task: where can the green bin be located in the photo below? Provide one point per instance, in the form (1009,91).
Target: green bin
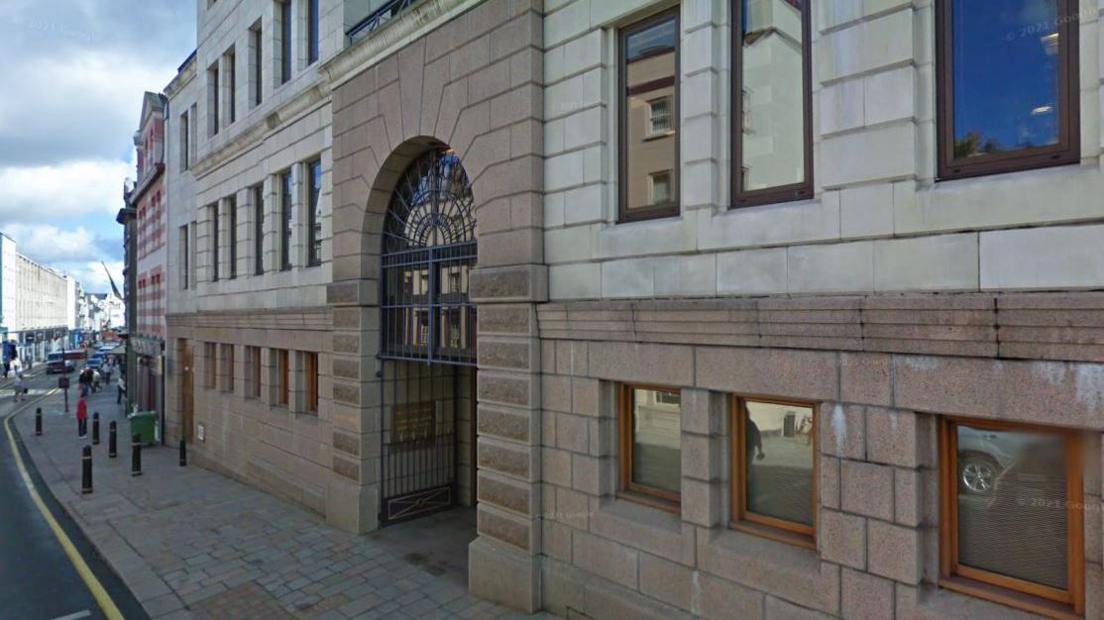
(144,424)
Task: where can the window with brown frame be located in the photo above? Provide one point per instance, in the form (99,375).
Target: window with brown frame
(648,118)
(283,377)
(1011,515)
(772,144)
(232,236)
(650,445)
(213,218)
(210,365)
(253,360)
(310,369)
(1007,86)
(227,367)
(774,469)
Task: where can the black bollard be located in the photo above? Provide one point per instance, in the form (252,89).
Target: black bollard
(111,451)
(86,470)
(38,421)
(96,428)
(136,455)
(183,454)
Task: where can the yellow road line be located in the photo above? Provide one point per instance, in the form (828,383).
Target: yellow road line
(86,574)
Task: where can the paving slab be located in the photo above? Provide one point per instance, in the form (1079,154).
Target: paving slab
(191,543)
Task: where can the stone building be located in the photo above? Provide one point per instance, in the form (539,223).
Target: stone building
(182,95)
(250,247)
(762,308)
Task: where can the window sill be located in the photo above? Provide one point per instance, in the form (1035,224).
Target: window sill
(1009,598)
(765,564)
(650,214)
(754,549)
(772,196)
(775,534)
(645,527)
(1005,164)
(643,499)
(659,135)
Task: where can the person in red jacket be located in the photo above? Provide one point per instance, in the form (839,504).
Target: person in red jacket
(82,417)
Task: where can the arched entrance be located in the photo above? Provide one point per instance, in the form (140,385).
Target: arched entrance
(427,340)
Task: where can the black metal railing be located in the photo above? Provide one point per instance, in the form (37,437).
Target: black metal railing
(378,18)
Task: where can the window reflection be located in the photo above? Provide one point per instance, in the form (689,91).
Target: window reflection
(779,452)
(656,457)
(1006,75)
(1011,483)
(650,117)
(772,56)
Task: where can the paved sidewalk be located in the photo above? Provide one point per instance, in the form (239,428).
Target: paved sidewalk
(191,543)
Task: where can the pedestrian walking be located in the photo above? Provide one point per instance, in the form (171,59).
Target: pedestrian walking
(108,368)
(82,417)
(121,386)
(20,387)
(85,381)
(95,380)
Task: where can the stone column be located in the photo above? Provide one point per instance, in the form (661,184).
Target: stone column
(504,561)
(352,499)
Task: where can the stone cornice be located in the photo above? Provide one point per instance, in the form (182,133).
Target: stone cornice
(303,102)
(1042,326)
(183,77)
(299,318)
(416,22)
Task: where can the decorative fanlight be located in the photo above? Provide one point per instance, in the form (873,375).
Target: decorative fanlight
(431,205)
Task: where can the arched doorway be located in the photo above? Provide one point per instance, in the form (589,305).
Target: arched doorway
(427,340)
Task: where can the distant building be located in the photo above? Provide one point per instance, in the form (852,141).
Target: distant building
(35,308)
(106,312)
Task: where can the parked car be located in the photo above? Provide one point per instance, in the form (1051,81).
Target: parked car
(95,361)
(58,363)
(986,456)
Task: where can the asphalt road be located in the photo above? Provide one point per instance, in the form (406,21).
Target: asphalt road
(37,579)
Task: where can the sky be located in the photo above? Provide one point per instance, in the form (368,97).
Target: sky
(1006,74)
(71,87)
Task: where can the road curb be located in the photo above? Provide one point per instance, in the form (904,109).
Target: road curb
(105,571)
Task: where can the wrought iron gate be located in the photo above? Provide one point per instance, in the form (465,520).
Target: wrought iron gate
(427,340)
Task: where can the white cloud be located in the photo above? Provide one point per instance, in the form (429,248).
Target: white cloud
(66,132)
(93,278)
(50,244)
(46,194)
(76,251)
(79,104)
